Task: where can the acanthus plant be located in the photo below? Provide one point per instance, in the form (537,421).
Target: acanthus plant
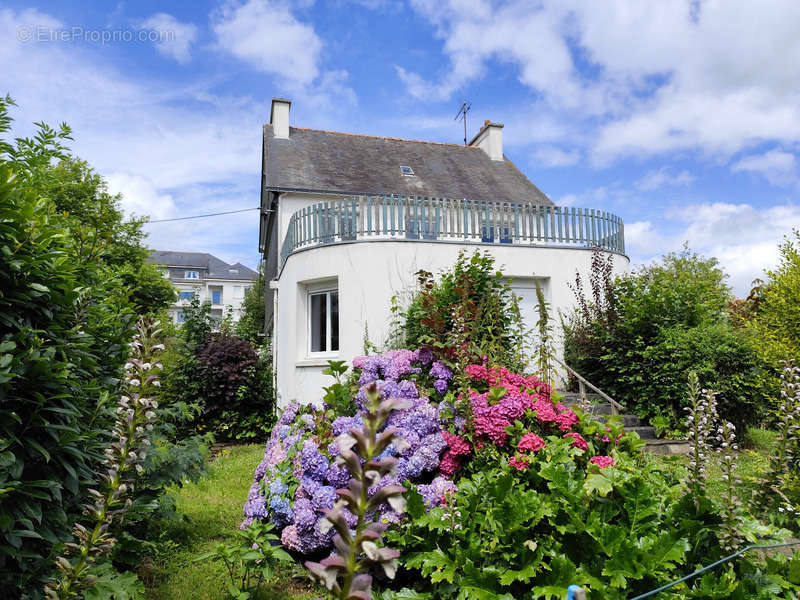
(700,423)
(134,418)
(732,521)
(345,572)
(784,451)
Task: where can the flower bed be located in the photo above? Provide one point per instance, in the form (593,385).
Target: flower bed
(296,482)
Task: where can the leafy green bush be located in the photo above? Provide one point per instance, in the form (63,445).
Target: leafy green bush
(774,321)
(225,380)
(637,336)
(64,327)
(470,310)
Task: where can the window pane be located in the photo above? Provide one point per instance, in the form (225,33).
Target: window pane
(216,297)
(334,320)
(318,322)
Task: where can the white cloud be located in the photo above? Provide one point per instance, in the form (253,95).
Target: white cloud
(713,77)
(776,166)
(266,35)
(654,180)
(140,196)
(171,150)
(552,156)
(744,238)
(175,38)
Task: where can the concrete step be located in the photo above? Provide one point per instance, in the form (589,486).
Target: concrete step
(667,447)
(627,420)
(646,433)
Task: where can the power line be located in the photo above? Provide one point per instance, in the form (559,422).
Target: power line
(229,212)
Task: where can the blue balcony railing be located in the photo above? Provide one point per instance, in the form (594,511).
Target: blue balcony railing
(440,219)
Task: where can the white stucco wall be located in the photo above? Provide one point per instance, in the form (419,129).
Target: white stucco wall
(369,273)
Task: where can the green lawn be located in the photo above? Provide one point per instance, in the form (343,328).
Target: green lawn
(214,508)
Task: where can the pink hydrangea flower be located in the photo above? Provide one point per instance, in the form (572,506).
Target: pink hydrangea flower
(457,445)
(531,442)
(577,440)
(449,463)
(566,420)
(477,372)
(602,461)
(518,464)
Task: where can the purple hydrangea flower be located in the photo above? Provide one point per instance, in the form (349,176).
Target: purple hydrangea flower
(324,499)
(440,385)
(424,355)
(312,462)
(438,490)
(439,370)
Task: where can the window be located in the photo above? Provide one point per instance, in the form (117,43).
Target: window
(406,170)
(216,297)
(185,295)
(181,317)
(237,292)
(323,321)
(233,271)
(191,275)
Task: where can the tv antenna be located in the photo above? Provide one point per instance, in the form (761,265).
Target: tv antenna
(462,114)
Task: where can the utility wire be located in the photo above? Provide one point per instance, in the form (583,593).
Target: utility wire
(229,212)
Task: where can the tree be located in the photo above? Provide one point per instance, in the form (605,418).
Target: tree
(775,323)
(97,223)
(251,322)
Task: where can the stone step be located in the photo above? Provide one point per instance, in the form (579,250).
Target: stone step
(627,420)
(667,447)
(646,433)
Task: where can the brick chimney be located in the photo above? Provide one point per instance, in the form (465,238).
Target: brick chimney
(279,118)
(490,140)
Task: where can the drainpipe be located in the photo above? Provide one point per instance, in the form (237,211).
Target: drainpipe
(273,285)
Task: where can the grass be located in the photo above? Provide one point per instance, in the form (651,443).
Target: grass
(213,507)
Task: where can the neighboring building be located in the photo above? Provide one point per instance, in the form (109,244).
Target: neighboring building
(214,281)
(347,220)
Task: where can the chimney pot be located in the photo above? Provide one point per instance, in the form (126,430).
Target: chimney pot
(486,122)
(279,117)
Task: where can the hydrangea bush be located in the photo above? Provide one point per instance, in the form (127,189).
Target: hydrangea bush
(296,482)
(507,417)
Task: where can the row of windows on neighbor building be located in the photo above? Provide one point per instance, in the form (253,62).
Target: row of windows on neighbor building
(216,295)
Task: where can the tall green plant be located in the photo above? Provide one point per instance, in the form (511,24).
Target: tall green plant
(64,326)
(469,309)
(123,458)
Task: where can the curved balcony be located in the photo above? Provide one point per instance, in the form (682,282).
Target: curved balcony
(396,218)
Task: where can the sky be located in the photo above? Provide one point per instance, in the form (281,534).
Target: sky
(681,117)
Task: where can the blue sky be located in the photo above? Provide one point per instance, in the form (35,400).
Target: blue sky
(681,117)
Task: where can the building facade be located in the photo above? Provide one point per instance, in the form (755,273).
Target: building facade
(347,221)
(212,279)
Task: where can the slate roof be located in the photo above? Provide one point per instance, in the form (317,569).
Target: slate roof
(326,161)
(214,267)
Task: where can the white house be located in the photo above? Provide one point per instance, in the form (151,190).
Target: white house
(212,279)
(347,220)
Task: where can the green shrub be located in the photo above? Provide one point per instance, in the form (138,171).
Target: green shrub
(470,310)
(224,380)
(64,326)
(636,337)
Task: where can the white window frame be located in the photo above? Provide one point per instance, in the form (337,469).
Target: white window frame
(318,291)
(191,274)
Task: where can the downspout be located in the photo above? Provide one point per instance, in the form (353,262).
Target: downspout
(273,285)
